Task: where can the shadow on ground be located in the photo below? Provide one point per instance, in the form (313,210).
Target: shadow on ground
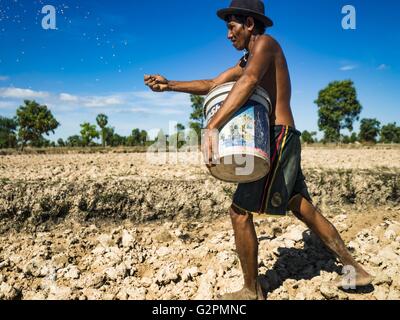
(303,264)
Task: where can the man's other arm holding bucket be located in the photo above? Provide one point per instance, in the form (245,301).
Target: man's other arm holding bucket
(256,69)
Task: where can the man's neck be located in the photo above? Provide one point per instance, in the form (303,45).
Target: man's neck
(252,42)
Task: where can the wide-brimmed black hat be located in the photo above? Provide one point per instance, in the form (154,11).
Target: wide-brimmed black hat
(251,8)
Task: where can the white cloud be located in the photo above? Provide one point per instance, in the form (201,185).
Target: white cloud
(171,111)
(139,110)
(18,93)
(68,97)
(8,105)
(348,67)
(153,111)
(99,102)
(139,102)
(383,67)
(4,78)
(160,100)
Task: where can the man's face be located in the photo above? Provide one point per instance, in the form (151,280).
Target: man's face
(237,34)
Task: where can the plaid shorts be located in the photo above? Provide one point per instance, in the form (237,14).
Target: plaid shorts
(272,194)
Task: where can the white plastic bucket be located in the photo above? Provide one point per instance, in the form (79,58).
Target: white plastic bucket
(244,142)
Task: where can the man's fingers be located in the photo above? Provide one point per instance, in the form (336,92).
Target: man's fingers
(214,148)
(148,78)
(210,150)
(153,77)
(154,82)
(151,85)
(205,150)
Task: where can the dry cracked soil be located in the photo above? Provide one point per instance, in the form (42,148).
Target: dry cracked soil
(122,226)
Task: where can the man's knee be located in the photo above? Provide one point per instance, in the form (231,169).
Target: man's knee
(295,203)
(239,216)
(303,209)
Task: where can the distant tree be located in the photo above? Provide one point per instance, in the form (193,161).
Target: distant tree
(143,137)
(102,121)
(34,120)
(180,127)
(136,137)
(181,135)
(197,115)
(369,130)
(8,137)
(130,142)
(353,137)
(308,137)
(61,143)
(88,133)
(338,109)
(108,135)
(74,141)
(178,139)
(118,141)
(345,139)
(350,139)
(41,143)
(390,133)
(115,140)
(195,135)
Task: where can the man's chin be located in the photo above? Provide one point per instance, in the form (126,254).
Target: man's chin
(238,48)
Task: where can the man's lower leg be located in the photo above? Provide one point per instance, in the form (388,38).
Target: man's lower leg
(247,250)
(246,247)
(329,236)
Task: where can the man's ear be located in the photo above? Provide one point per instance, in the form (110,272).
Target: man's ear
(250,24)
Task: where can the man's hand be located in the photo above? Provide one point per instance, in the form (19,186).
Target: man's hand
(156,83)
(210,147)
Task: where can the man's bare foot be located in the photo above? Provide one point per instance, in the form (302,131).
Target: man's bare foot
(242,295)
(245,294)
(362,279)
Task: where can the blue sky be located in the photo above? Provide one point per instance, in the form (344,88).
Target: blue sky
(95,61)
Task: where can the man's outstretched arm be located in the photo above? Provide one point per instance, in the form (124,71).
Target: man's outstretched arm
(158,83)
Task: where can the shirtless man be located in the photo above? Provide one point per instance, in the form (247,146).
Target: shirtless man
(284,188)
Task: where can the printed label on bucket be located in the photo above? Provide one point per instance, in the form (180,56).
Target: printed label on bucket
(240,131)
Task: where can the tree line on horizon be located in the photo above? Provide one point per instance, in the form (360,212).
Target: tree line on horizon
(338,109)
(34,121)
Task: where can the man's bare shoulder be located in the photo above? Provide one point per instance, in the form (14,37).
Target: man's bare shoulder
(268,43)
